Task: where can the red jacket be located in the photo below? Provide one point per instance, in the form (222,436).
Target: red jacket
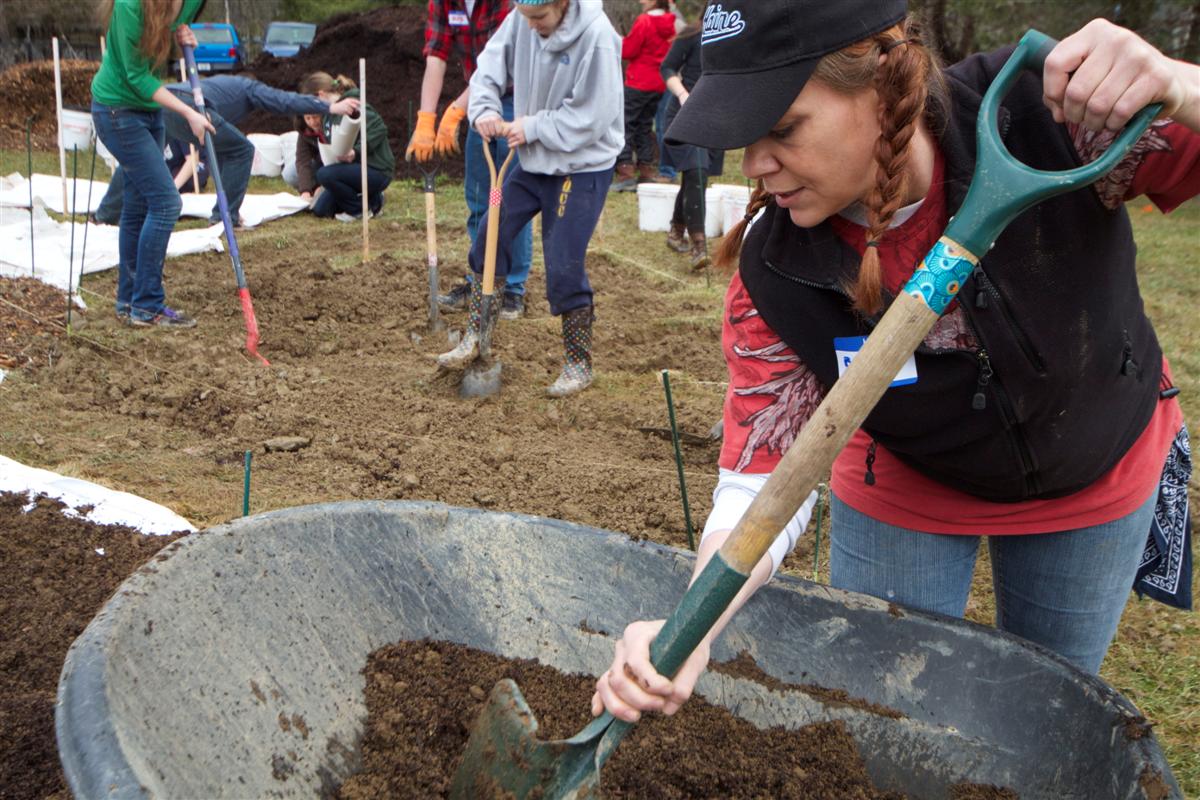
(645,47)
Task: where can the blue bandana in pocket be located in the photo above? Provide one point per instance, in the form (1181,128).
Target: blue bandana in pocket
(1165,572)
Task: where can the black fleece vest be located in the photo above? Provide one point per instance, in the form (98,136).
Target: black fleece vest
(1068,374)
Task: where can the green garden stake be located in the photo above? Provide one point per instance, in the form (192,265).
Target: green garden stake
(246,486)
(71,251)
(817,536)
(29,160)
(687,512)
(503,752)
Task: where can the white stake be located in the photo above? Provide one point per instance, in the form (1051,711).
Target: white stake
(362,123)
(62,151)
(102,50)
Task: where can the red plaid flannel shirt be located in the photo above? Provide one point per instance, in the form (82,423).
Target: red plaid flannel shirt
(442,39)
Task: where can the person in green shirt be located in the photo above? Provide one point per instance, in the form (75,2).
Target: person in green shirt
(128,97)
(340,193)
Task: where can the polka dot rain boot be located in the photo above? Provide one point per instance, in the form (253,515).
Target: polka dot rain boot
(468,347)
(576,372)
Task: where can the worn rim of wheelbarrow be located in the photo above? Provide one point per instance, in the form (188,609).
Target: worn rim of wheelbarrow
(329,583)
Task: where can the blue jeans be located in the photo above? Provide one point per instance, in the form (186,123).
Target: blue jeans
(477,184)
(151,204)
(666,166)
(1064,590)
(570,205)
(343,190)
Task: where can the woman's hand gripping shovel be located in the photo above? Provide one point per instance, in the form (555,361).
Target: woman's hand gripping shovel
(215,171)
(482,376)
(503,757)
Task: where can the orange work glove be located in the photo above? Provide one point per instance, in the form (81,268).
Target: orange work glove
(447,134)
(421,143)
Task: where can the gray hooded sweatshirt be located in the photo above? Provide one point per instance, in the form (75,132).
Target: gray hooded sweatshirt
(567,86)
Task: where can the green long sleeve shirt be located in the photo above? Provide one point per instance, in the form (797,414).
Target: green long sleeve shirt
(126,78)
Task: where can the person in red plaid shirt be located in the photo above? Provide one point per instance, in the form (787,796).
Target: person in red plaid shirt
(464,26)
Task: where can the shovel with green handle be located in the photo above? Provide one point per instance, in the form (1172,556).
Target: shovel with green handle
(503,757)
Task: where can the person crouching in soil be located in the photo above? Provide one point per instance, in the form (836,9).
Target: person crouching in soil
(341,183)
(1042,415)
(563,60)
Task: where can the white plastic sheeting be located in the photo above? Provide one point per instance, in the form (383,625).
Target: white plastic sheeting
(108,506)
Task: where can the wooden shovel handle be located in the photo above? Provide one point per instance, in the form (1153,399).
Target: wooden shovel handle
(493,221)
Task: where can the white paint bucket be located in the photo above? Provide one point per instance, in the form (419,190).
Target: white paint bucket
(656,204)
(76,129)
(287,144)
(734,200)
(268,154)
(712,211)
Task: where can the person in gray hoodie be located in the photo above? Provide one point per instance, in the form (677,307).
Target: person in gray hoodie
(563,61)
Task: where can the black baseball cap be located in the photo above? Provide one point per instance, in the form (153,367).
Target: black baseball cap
(757,56)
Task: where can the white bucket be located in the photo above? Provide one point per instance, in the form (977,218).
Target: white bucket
(76,129)
(656,204)
(712,211)
(734,200)
(287,143)
(268,154)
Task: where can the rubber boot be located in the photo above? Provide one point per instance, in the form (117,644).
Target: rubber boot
(468,346)
(576,374)
(677,238)
(625,179)
(698,253)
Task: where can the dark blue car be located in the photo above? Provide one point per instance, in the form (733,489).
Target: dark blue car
(217,47)
(286,39)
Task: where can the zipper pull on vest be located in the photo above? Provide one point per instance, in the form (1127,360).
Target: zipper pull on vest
(979,401)
(981,298)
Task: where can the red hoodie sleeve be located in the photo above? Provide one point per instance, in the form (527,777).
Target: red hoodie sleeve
(631,45)
(1164,164)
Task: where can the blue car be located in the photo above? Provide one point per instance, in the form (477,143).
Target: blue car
(218,47)
(286,39)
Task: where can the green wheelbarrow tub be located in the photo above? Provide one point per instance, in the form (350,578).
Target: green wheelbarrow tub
(231,665)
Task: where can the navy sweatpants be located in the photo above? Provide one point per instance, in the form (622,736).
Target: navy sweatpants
(570,205)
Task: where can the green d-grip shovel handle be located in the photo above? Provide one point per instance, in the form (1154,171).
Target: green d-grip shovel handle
(1001,188)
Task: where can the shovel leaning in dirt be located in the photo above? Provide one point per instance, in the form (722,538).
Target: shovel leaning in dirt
(503,757)
(482,376)
(430,177)
(223,203)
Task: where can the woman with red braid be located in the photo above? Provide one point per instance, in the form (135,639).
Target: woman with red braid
(1038,413)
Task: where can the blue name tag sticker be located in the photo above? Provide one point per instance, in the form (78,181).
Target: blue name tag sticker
(847,347)
(459,19)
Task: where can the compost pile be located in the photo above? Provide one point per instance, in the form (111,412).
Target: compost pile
(27,90)
(391,40)
(423,697)
(53,580)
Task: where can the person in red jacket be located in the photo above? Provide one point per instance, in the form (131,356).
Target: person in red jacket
(644,48)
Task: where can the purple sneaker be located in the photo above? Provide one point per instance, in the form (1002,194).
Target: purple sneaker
(166,318)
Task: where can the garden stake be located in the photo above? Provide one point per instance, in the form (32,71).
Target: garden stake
(687,512)
(362,133)
(215,171)
(246,486)
(29,160)
(482,376)
(503,753)
(71,251)
(431,257)
(817,537)
(62,148)
(87,213)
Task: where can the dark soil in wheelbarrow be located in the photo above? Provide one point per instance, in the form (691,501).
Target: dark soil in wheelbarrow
(423,697)
(55,574)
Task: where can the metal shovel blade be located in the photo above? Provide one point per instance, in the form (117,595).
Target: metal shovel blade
(505,759)
(482,376)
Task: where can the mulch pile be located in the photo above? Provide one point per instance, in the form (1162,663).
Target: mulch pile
(423,698)
(391,40)
(52,582)
(27,90)
(29,311)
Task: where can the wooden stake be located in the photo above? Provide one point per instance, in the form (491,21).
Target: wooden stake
(362,124)
(102,49)
(193,156)
(62,152)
